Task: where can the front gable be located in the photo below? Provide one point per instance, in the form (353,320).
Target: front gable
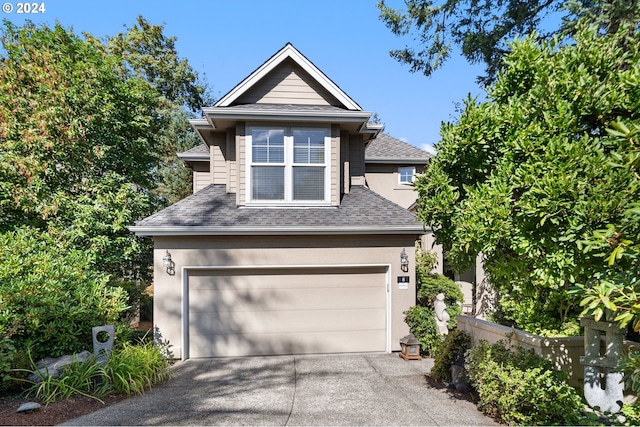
(288,83)
(288,71)
(306,115)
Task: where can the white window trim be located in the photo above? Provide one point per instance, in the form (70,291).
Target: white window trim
(288,167)
(413,174)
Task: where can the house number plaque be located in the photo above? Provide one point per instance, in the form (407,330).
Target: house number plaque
(403,282)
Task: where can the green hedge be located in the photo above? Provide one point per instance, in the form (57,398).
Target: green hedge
(517,387)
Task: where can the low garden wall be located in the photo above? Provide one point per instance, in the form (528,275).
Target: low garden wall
(564,352)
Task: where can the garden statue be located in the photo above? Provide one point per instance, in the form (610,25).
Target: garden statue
(442,317)
(610,398)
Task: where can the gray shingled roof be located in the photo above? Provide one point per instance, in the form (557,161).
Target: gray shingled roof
(197,152)
(213,211)
(387,148)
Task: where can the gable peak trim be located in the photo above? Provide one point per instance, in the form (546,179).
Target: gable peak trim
(288,52)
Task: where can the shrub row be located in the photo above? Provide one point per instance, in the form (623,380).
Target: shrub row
(517,387)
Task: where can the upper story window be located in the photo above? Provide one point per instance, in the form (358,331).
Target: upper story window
(288,165)
(406,175)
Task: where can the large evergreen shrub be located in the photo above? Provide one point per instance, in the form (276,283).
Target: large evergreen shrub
(50,297)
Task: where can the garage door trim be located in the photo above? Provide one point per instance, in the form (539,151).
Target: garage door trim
(185,291)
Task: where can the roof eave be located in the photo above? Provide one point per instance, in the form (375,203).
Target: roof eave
(397,160)
(213,113)
(199,125)
(193,157)
(276,231)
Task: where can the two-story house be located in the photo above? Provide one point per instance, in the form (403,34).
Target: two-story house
(282,248)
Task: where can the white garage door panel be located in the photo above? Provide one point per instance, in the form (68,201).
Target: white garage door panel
(237,279)
(286,311)
(258,322)
(269,344)
(285,299)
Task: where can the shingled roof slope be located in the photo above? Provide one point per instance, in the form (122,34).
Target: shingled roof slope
(196,152)
(386,147)
(213,211)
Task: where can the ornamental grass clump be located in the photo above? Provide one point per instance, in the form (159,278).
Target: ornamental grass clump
(131,369)
(517,387)
(134,368)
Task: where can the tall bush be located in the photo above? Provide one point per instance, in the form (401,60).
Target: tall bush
(451,351)
(525,175)
(51,297)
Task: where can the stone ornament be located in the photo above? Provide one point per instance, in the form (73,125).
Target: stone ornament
(102,350)
(442,317)
(29,406)
(611,397)
(51,367)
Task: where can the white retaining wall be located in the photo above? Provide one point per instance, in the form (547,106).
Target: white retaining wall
(564,352)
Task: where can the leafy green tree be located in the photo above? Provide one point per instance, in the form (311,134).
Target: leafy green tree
(616,289)
(88,133)
(78,136)
(152,56)
(526,175)
(78,142)
(174,178)
(483,30)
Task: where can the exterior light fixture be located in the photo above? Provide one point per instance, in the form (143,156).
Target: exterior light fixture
(168,264)
(404,261)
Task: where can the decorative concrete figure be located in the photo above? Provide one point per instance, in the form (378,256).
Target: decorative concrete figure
(611,397)
(102,349)
(442,317)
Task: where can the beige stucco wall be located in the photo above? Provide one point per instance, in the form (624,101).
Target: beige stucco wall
(383,179)
(277,250)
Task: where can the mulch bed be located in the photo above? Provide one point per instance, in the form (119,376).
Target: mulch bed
(52,414)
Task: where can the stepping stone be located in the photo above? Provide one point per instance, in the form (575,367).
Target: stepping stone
(29,406)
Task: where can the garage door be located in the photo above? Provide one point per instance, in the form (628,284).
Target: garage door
(271,311)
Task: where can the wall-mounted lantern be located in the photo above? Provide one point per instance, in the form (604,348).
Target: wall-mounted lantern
(410,348)
(168,264)
(404,261)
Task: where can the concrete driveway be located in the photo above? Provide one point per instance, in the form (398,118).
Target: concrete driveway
(363,389)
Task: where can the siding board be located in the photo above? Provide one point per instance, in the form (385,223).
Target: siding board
(288,84)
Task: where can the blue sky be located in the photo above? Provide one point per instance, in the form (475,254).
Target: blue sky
(228,39)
